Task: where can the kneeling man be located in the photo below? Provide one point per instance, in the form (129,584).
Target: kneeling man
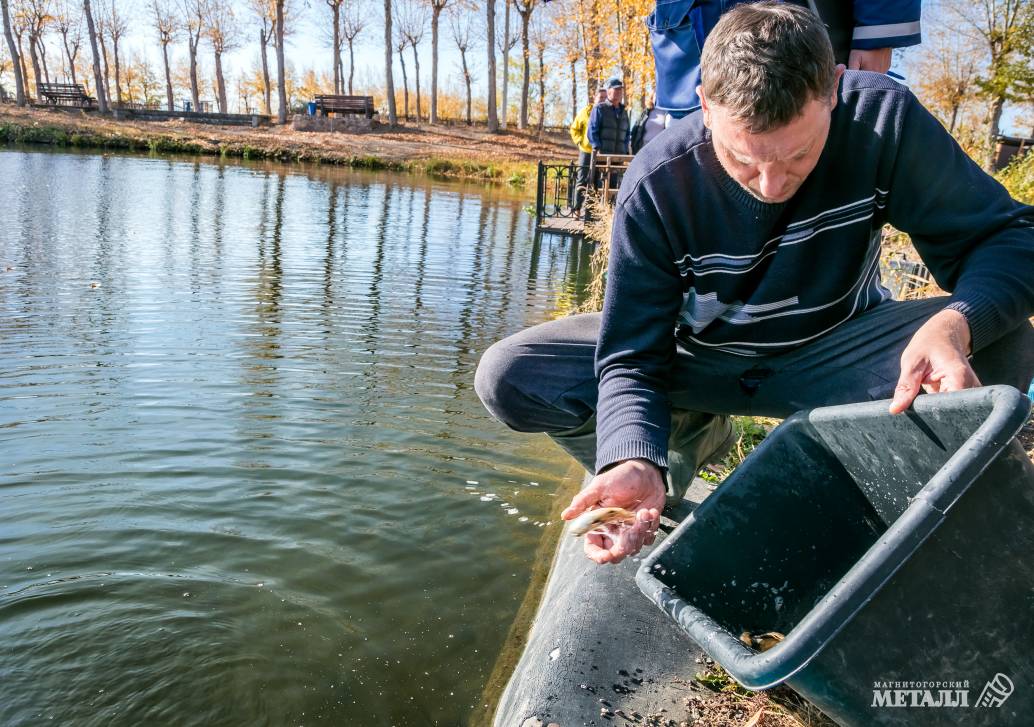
(744,274)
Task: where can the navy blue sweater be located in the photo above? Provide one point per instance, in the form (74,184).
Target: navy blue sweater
(694,257)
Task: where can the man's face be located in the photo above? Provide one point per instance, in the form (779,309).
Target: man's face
(601,95)
(771,165)
(615,95)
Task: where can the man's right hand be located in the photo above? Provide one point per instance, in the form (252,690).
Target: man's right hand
(635,485)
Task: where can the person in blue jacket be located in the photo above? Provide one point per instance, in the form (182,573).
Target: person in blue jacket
(610,131)
(863,34)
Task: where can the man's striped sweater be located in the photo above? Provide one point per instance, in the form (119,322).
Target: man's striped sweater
(696,258)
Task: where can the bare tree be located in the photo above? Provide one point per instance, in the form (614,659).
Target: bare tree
(37,15)
(223,33)
(12,48)
(266,14)
(493,120)
(193,17)
(540,36)
(412,23)
(459,27)
(400,46)
(506,44)
(20,27)
(352,24)
(335,11)
(117,26)
(70,26)
(389,82)
(102,101)
(165,22)
(437,6)
(525,8)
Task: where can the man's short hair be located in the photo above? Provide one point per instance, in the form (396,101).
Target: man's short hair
(764,62)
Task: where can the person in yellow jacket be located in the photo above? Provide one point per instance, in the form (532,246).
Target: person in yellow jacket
(580,136)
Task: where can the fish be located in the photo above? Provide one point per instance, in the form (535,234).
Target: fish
(596,519)
(761,642)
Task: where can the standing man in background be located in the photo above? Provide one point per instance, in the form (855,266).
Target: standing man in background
(610,131)
(579,135)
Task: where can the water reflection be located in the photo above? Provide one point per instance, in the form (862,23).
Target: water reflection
(234,476)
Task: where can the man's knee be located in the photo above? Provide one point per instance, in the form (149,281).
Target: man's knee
(496,382)
(1008,360)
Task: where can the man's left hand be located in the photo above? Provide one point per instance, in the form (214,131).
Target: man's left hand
(935,359)
(877,59)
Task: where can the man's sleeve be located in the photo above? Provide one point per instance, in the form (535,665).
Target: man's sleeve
(636,346)
(886,24)
(592,134)
(976,240)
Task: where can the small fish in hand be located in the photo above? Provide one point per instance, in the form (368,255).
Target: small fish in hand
(761,642)
(597,519)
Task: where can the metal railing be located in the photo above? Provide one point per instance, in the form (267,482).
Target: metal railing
(555,190)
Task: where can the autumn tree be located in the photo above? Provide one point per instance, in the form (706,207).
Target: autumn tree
(281,71)
(493,119)
(38,17)
(117,25)
(525,8)
(459,28)
(223,33)
(193,18)
(412,24)
(265,13)
(437,6)
(12,49)
(166,26)
(335,12)
(69,23)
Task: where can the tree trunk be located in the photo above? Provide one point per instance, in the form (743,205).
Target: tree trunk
(526,79)
(71,60)
(266,91)
(493,119)
(405,86)
(337,48)
(195,94)
(220,82)
(37,74)
(466,79)
(43,59)
(102,102)
(118,75)
(542,88)
(107,68)
(168,78)
(436,11)
(351,66)
(19,80)
(997,105)
(389,83)
(416,81)
(281,72)
(574,90)
(506,66)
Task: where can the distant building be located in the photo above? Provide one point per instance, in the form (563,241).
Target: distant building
(1008,147)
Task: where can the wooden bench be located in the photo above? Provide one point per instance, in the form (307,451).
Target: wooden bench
(327,103)
(65,94)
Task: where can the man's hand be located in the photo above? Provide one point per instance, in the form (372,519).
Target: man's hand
(635,485)
(877,59)
(935,359)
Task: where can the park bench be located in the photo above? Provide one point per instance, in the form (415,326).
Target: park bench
(64,94)
(328,103)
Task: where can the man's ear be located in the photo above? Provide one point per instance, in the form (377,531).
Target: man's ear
(836,84)
(704,107)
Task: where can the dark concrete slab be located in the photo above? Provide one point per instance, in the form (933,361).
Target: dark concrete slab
(597,643)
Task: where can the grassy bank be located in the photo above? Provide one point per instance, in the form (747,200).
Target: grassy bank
(508,158)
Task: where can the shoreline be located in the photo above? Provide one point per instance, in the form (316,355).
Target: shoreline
(461,153)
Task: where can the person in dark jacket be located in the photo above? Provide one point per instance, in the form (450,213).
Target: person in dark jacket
(744,275)
(863,34)
(651,122)
(610,131)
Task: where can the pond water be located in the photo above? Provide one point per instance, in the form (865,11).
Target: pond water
(244,475)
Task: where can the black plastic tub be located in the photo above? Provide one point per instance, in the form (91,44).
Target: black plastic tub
(896,554)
